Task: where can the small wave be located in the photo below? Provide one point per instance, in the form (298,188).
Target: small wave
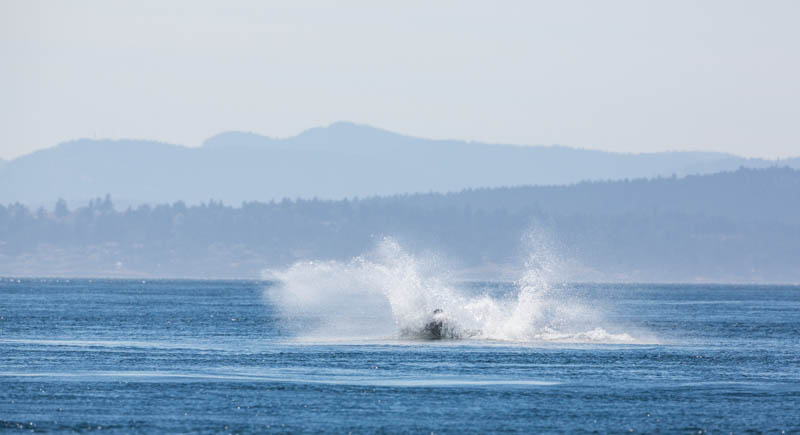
(110,344)
(301,377)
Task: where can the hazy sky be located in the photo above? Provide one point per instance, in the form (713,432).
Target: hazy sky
(630,76)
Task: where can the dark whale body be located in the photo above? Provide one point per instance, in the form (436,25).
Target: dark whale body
(434,330)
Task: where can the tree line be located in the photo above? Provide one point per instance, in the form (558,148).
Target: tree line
(742,226)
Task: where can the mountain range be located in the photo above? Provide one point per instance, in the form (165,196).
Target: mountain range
(337,161)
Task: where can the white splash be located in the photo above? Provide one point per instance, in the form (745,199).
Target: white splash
(389,293)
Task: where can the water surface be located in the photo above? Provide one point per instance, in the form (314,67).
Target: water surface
(132,355)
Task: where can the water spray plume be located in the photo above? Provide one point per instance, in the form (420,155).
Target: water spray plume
(391,294)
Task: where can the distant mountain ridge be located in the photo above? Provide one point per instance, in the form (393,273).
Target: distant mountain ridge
(337,161)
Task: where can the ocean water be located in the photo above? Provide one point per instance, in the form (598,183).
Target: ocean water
(331,347)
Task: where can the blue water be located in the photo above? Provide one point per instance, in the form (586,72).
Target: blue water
(213,356)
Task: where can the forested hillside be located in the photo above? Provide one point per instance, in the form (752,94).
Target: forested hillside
(735,226)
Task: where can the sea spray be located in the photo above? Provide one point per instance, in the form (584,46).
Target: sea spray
(389,293)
